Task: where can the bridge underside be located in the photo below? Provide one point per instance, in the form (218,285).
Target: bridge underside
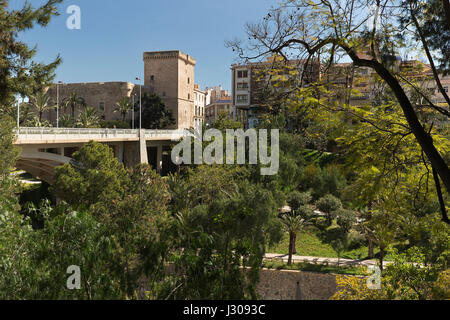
(41,160)
(39,168)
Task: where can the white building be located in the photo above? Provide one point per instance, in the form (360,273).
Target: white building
(200,102)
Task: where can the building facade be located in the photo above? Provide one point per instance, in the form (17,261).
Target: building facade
(199,106)
(249,83)
(102,96)
(216,93)
(168,74)
(214,109)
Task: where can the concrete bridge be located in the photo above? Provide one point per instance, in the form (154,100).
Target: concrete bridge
(43,149)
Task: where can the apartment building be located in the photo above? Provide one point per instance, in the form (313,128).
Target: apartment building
(250,83)
(199,106)
(214,109)
(216,93)
(346,83)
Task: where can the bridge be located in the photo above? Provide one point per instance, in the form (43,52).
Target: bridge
(44,149)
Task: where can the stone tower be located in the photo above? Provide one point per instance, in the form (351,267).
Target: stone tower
(170,75)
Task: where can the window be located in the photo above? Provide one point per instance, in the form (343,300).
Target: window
(242,85)
(446,89)
(242,74)
(152,77)
(189,96)
(101,107)
(164,94)
(189,80)
(242,98)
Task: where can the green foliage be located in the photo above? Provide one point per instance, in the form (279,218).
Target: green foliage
(66,121)
(223,122)
(93,176)
(15,239)
(18,72)
(41,103)
(88,118)
(128,224)
(123,106)
(329,180)
(8,156)
(329,205)
(409,278)
(72,238)
(73,101)
(291,165)
(297,199)
(223,223)
(154,112)
(8,152)
(434,25)
(345,219)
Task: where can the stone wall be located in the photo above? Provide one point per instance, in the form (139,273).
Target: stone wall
(295,285)
(94,93)
(286,285)
(170,74)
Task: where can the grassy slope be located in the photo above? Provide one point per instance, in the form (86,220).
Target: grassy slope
(308,244)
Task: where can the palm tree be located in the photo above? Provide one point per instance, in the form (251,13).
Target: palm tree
(73,101)
(292,224)
(66,121)
(123,106)
(88,118)
(40,101)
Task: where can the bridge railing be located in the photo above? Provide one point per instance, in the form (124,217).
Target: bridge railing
(167,134)
(43,130)
(45,133)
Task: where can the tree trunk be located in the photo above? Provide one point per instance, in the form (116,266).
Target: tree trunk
(381,257)
(423,138)
(369,217)
(294,249)
(370,253)
(446,4)
(291,249)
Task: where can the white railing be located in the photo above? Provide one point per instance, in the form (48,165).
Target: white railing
(165,134)
(24,134)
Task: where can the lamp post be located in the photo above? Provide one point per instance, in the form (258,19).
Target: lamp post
(132,113)
(18,114)
(140,104)
(57,103)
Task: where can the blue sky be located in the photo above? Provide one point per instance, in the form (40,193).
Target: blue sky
(115,33)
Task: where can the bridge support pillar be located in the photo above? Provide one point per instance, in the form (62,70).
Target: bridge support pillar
(142,147)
